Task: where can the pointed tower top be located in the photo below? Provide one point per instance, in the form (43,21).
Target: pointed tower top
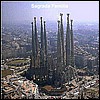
(61,14)
(44,21)
(58,21)
(41,18)
(31,22)
(71,20)
(34,17)
(71,23)
(68,15)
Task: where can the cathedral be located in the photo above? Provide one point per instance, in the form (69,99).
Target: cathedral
(40,66)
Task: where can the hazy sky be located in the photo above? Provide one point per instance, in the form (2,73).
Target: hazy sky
(20,11)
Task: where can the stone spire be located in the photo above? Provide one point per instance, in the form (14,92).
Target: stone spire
(33,47)
(45,45)
(42,46)
(36,37)
(72,45)
(68,42)
(59,50)
(62,39)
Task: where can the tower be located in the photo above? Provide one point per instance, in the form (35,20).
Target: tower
(45,46)
(36,38)
(33,47)
(41,46)
(72,45)
(62,39)
(68,52)
(59,67)
(36,44)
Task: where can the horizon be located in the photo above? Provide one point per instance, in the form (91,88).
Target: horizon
(22,11)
